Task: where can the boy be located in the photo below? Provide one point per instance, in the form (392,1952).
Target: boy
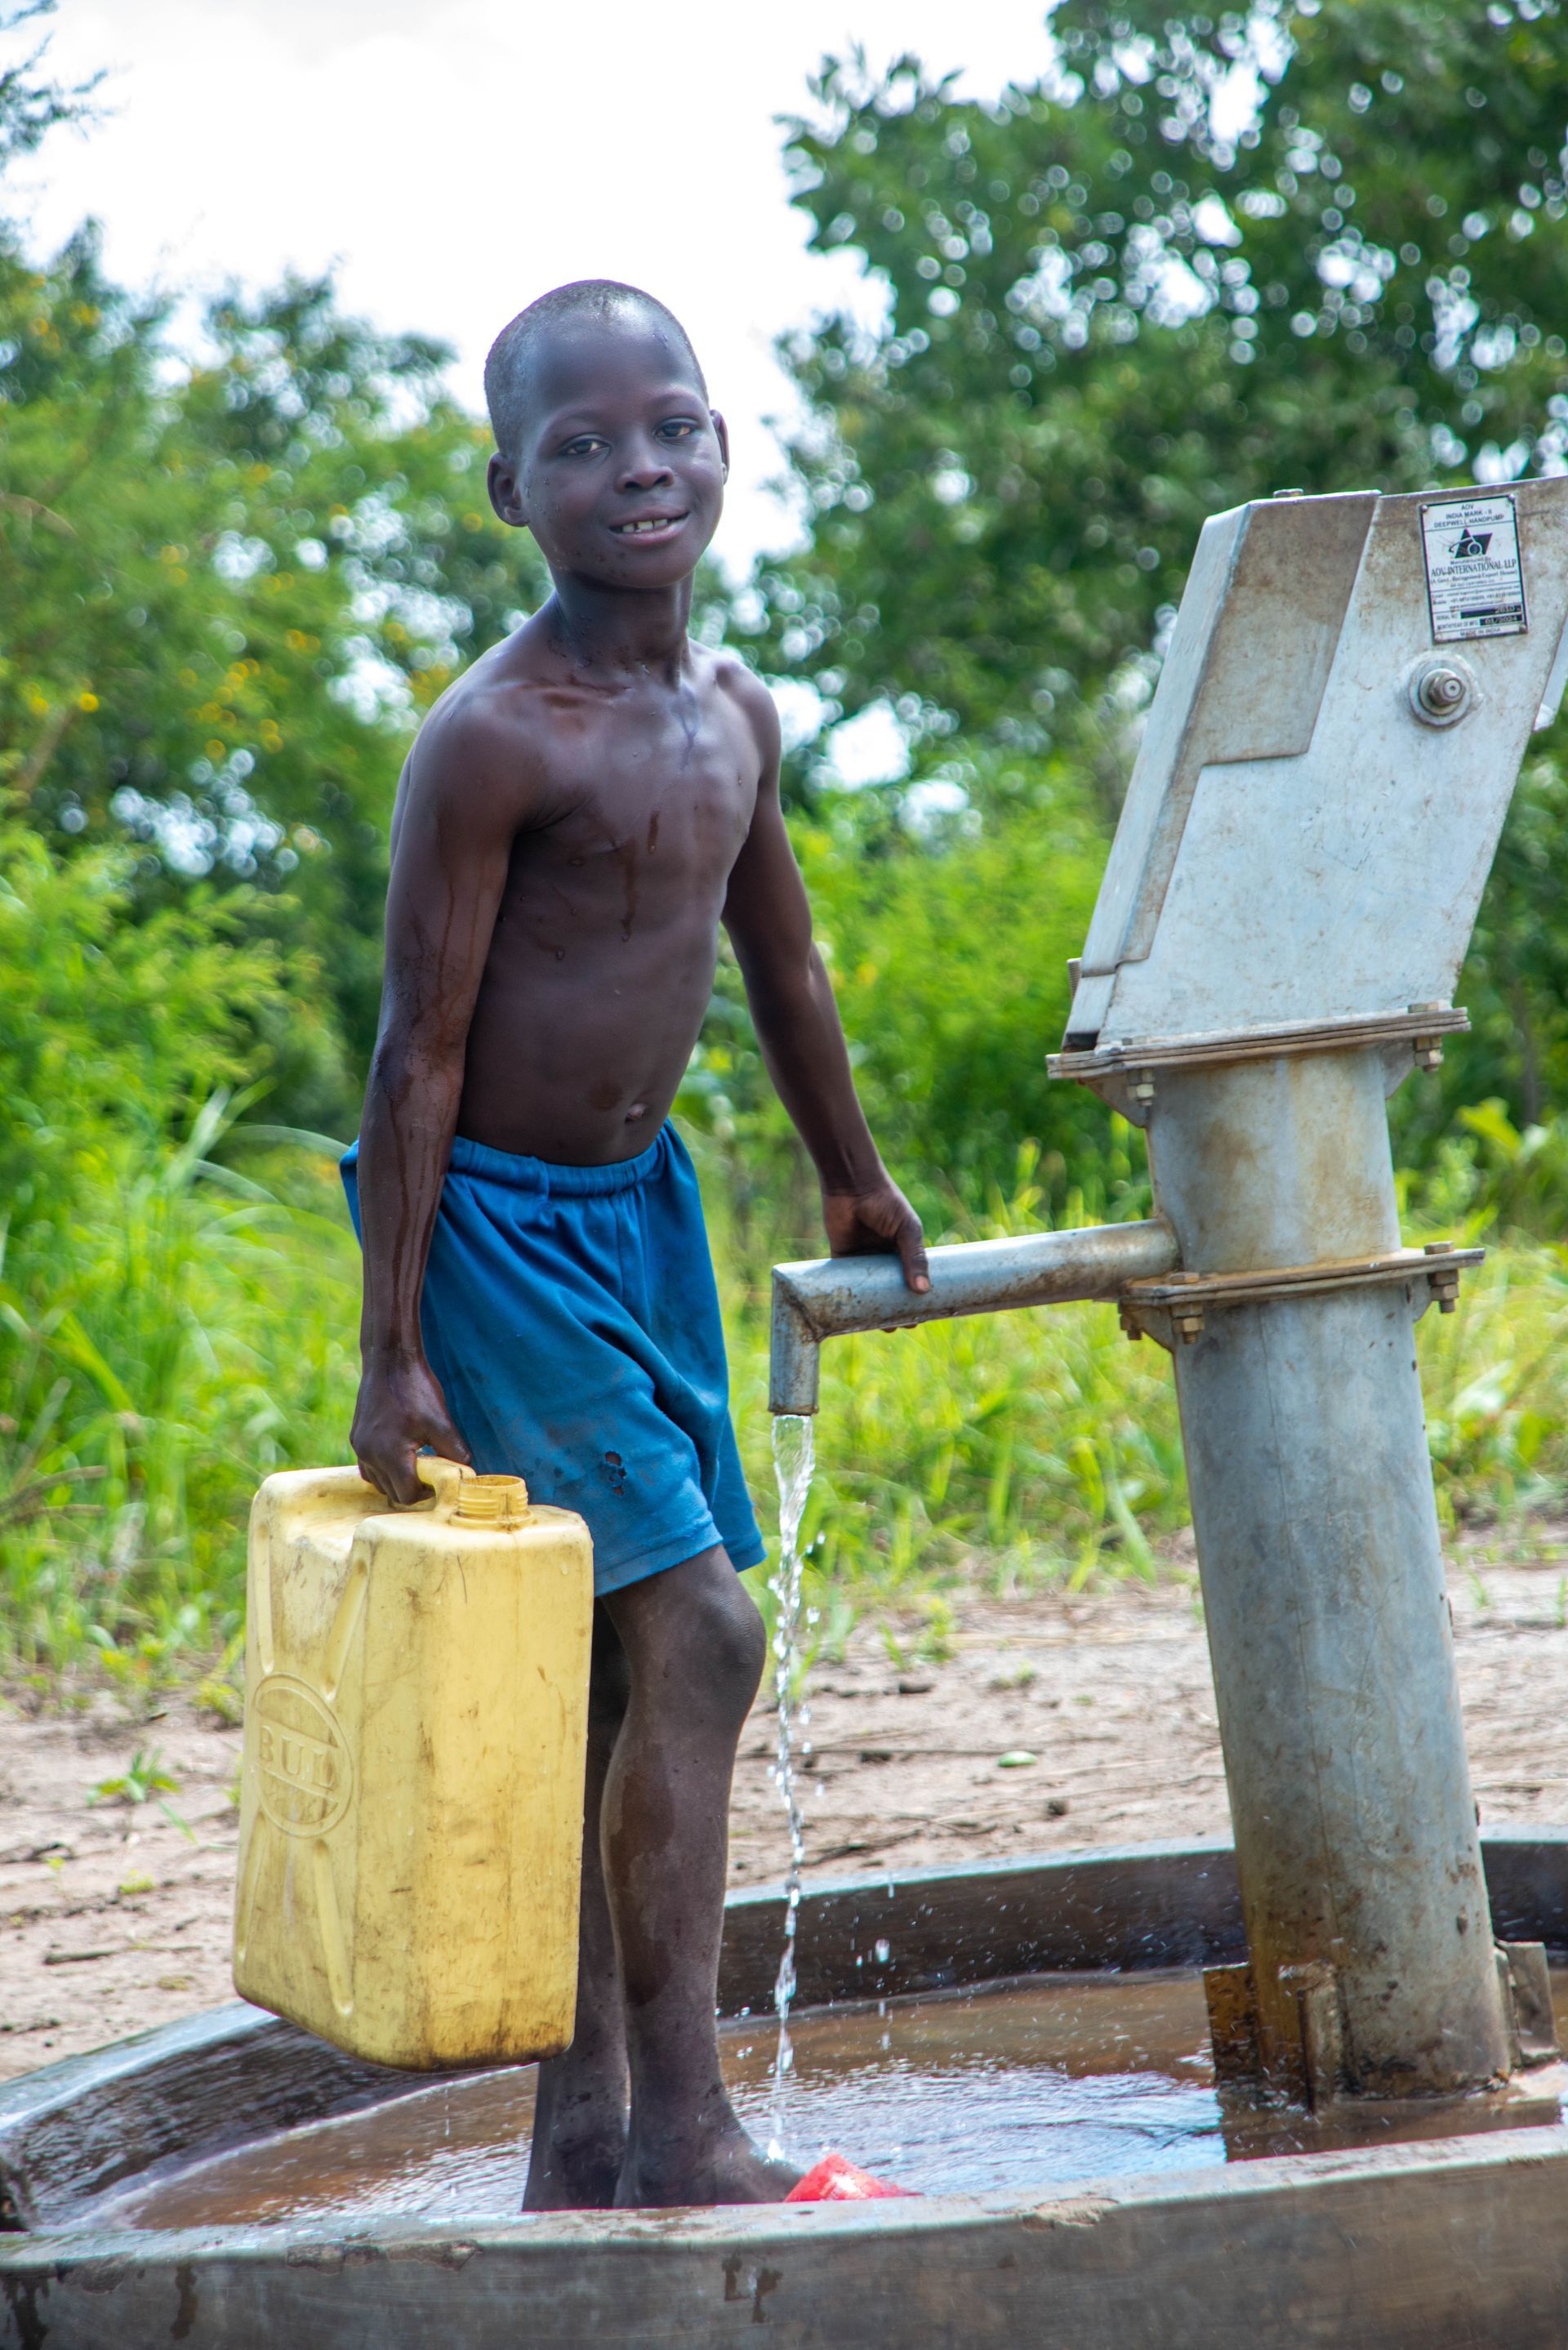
(579,813)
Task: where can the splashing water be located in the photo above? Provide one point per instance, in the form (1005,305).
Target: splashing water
(794,1459)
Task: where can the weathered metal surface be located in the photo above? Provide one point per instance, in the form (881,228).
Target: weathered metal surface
(828,1297)
(1249,660)
(1400,1267)
(1339,1714)
(1273,1163)
(1528,1997)
(1297,843)
(1314,2012)
(80,2128)
(1317,1540)
(1419,1030)
(1446,2246)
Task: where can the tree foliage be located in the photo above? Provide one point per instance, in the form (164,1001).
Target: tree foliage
(229,586)
(1318,245)
(1312,246)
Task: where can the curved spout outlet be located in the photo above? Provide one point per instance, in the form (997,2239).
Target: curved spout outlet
(828,1297)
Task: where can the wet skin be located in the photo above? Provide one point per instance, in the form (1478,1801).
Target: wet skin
(581,812)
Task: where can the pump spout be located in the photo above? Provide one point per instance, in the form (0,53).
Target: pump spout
(828,1297)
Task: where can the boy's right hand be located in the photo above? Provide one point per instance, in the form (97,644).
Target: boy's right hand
(400,1408)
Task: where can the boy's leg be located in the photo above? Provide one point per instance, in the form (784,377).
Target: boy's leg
(695,1643)
(580,2114)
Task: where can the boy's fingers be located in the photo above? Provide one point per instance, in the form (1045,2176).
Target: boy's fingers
(912,1252)
(400,1484)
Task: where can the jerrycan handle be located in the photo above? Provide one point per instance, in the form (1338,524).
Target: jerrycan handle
(442,1476)
(502,1500)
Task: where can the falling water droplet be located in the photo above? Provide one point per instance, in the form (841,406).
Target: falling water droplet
(794,1459)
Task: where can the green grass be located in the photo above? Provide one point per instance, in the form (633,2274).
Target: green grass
(193,1328)
(162,1349)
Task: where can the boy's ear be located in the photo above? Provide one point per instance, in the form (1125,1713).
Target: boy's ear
(723,431)
(504,494)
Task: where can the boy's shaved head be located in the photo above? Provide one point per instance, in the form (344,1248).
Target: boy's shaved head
(510,369)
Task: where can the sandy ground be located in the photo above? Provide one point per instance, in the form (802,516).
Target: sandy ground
(113,1918)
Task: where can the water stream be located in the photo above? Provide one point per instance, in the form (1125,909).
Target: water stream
(794,1459)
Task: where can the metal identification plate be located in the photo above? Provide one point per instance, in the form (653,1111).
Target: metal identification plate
(1475,581)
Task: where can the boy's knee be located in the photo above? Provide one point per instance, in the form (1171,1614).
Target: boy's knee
(722,1642)
(695,1635)
(736,1643)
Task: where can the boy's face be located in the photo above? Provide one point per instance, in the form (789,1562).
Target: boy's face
(620,471)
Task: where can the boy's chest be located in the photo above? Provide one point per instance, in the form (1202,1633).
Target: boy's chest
(672,801)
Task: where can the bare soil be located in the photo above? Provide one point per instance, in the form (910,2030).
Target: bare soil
(113,1918)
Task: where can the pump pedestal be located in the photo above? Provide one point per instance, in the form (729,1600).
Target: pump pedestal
(1372,1963)
(1276,945)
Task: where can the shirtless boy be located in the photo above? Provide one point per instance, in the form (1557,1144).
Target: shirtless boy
(580,812)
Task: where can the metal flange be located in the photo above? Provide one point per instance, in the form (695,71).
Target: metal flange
(1420,1027)
(1172,1309)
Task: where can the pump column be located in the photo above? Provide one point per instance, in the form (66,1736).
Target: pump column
(1372,1963)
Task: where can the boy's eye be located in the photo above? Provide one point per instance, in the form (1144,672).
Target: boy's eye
(582,445)
(677,428)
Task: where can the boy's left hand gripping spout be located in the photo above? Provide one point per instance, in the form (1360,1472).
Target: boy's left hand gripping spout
(872,1222)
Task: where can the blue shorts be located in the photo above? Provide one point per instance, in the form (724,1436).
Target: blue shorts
(572,1318)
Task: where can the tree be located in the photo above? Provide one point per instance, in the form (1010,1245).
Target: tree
(231,583)
(1317,245)
(1210,256)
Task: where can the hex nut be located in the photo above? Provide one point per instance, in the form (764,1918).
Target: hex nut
(1442,690)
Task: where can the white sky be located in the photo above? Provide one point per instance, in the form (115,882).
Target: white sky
(454,158)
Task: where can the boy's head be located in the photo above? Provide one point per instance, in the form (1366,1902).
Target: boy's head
(605,446)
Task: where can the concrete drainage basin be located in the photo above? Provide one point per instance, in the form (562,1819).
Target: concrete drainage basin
(1026,2044)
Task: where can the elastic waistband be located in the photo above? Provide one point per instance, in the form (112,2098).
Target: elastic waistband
(521,1174)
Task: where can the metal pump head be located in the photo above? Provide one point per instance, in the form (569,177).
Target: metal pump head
(1326,764)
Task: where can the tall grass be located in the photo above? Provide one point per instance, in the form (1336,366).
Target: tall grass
(189,1326)
(187,1329)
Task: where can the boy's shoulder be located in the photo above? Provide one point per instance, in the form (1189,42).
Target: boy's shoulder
(490,708)
(730,676)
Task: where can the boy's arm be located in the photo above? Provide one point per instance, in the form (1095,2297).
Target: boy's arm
(768,918)
(451,840)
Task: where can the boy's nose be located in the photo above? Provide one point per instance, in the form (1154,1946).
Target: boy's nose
(645,469)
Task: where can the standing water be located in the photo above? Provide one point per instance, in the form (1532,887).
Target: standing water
(794,1458)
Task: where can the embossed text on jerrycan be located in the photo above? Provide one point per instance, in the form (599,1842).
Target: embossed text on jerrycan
(411,1799)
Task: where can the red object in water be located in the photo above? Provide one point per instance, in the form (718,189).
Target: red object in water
(836,2180)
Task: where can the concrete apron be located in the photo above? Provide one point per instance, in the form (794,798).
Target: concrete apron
(1441,2247)
(1452,2242)
(1373,1968)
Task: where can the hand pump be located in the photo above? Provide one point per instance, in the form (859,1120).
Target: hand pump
(1341,717)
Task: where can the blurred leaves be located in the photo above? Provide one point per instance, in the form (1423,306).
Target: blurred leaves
(1309,246)
(230,586)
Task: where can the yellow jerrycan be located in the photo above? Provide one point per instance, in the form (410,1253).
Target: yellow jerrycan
(415,1741)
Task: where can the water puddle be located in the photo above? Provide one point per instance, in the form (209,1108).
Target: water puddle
(1032,2085)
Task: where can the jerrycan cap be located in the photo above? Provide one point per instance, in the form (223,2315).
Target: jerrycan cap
(474,1500)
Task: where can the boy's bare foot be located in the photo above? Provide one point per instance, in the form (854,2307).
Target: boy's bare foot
(726,2167)
(578,2153)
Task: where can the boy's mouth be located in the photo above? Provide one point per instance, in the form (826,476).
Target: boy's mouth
(649,526)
